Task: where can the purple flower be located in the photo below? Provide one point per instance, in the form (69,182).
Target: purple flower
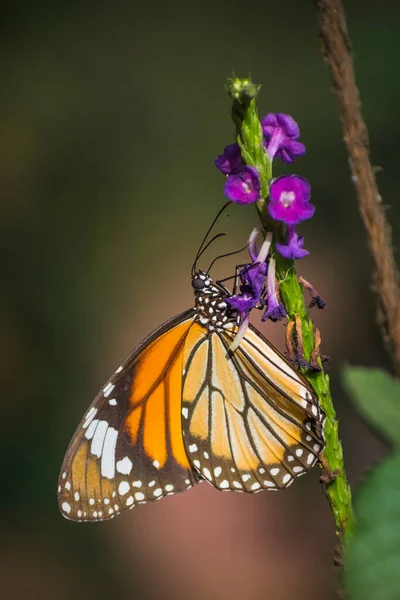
(275,311)
(230,161)
(243,303)
(294,247)
(252,278)
(280,134)
(251,288)
(290,199)
(243,187)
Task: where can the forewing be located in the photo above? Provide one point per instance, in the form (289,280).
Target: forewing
(128,448)
(253,422)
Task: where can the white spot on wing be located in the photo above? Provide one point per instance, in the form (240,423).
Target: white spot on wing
(137,484)
(91,429)
(207,474)
(269,483)
(108,389)
(157,492)
(217,471)
(89,417)
(224,484)
(185,412)
(169,488)
(108,453)
(193,448)
(123,488)
(124,466)
(112,402)
(129,501)
(66,507)
(98,438)
(255,486)
(139,496)
(274,471)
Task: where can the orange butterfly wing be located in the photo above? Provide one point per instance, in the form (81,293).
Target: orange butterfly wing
(252,421)
(128,448)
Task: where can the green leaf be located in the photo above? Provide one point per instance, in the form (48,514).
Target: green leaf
(373,560)
(377,396)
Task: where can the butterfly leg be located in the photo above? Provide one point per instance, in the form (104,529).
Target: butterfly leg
(234,277)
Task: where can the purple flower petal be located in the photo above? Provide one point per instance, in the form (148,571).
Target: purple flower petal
(289,150)
(289,125)
(280,134)
(230,161)
(275,311)
(242,303)
(243,187)
(270,120)
(289,199)
(294,247)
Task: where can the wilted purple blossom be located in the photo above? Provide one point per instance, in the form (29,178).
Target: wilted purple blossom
(281,133)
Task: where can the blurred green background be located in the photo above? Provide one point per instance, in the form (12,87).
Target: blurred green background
(111,116)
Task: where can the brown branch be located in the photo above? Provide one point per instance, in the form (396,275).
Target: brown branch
(336,50)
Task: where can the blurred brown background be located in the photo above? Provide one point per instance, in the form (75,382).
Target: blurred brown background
(111,116)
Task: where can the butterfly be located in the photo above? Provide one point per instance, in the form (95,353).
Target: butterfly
(184,408)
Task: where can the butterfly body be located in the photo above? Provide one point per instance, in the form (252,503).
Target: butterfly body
(210,304)
(183,408)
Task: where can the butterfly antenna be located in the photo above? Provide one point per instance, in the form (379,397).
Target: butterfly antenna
(202,249)
(224,256)
(209,244)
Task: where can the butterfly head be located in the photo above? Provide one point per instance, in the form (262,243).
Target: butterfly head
(214,312)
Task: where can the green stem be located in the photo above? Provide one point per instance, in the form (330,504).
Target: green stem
(243,93)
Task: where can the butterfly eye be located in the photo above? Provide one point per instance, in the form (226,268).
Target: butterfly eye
(198,283)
